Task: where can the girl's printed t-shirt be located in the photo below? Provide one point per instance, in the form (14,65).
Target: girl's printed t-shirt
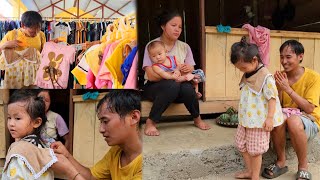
(253,105)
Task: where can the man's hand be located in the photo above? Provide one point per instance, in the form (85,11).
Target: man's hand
(282,81)
(59,148)
(64,167)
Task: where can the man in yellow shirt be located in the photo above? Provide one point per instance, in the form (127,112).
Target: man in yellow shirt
(299,88)
(29,35)
(119,114)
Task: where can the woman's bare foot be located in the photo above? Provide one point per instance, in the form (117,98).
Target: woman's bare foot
(201,124)
(150,129)
(243,175)
(199,95)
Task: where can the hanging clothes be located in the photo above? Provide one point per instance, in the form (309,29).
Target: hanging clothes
(20,67)
(82,68)
(261,37)
(21,64)
(55,64)
(126,66)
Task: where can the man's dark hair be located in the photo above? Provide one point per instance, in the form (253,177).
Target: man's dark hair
(295,46)
(121,102)
(31,19)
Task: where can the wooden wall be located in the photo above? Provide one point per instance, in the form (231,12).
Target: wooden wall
(89,145)
(223,78)
(3,126)
(4,133)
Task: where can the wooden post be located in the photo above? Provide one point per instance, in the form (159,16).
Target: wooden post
(255,12)
(71,119)
(3,120)
(202,41)
(78,8)
(221,12)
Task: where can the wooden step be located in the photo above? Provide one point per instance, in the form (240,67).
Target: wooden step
(176,109)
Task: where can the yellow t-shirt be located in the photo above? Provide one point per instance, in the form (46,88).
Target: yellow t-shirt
(308,87)
(35,42)
(109,167)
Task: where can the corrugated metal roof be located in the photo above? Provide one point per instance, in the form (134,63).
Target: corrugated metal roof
(124,7)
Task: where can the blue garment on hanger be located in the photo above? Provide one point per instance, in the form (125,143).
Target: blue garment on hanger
(222,29)
(17,24)
(126,66)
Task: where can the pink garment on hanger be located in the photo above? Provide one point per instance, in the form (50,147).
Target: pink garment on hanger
(104,75)
(59,57)
(261,37)
(291,111)
(90,80)
(99,83)
(131,82)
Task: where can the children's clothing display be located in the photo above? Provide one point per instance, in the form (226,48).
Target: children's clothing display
(54,68)
(100,66)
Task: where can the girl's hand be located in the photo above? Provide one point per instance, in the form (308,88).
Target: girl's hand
(11,44)
(185,68)
(282,81)
(268,124)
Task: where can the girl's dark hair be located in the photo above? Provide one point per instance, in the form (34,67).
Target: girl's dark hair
(121,102)
(244,51)
(296,47)
(165,16)
(34,106)
(31,19)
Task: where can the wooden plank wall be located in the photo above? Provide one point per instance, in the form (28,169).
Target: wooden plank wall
(89,145)
(222,78)
(3,126)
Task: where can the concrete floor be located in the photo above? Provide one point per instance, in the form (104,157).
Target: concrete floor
(178,136)
(314,169)
(183,151)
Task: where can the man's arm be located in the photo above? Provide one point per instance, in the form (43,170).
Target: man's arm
(68,165)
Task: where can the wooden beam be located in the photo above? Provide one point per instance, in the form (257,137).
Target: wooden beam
(110,7)
(102,13)
(36,6)
(49,6)
(65,11)
(90,11)
(117,11)
(78,8)
(85,10)
(74,3)
(52,10)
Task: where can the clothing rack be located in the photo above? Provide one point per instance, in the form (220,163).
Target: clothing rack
(78,19)
(9,18)
(85,45)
